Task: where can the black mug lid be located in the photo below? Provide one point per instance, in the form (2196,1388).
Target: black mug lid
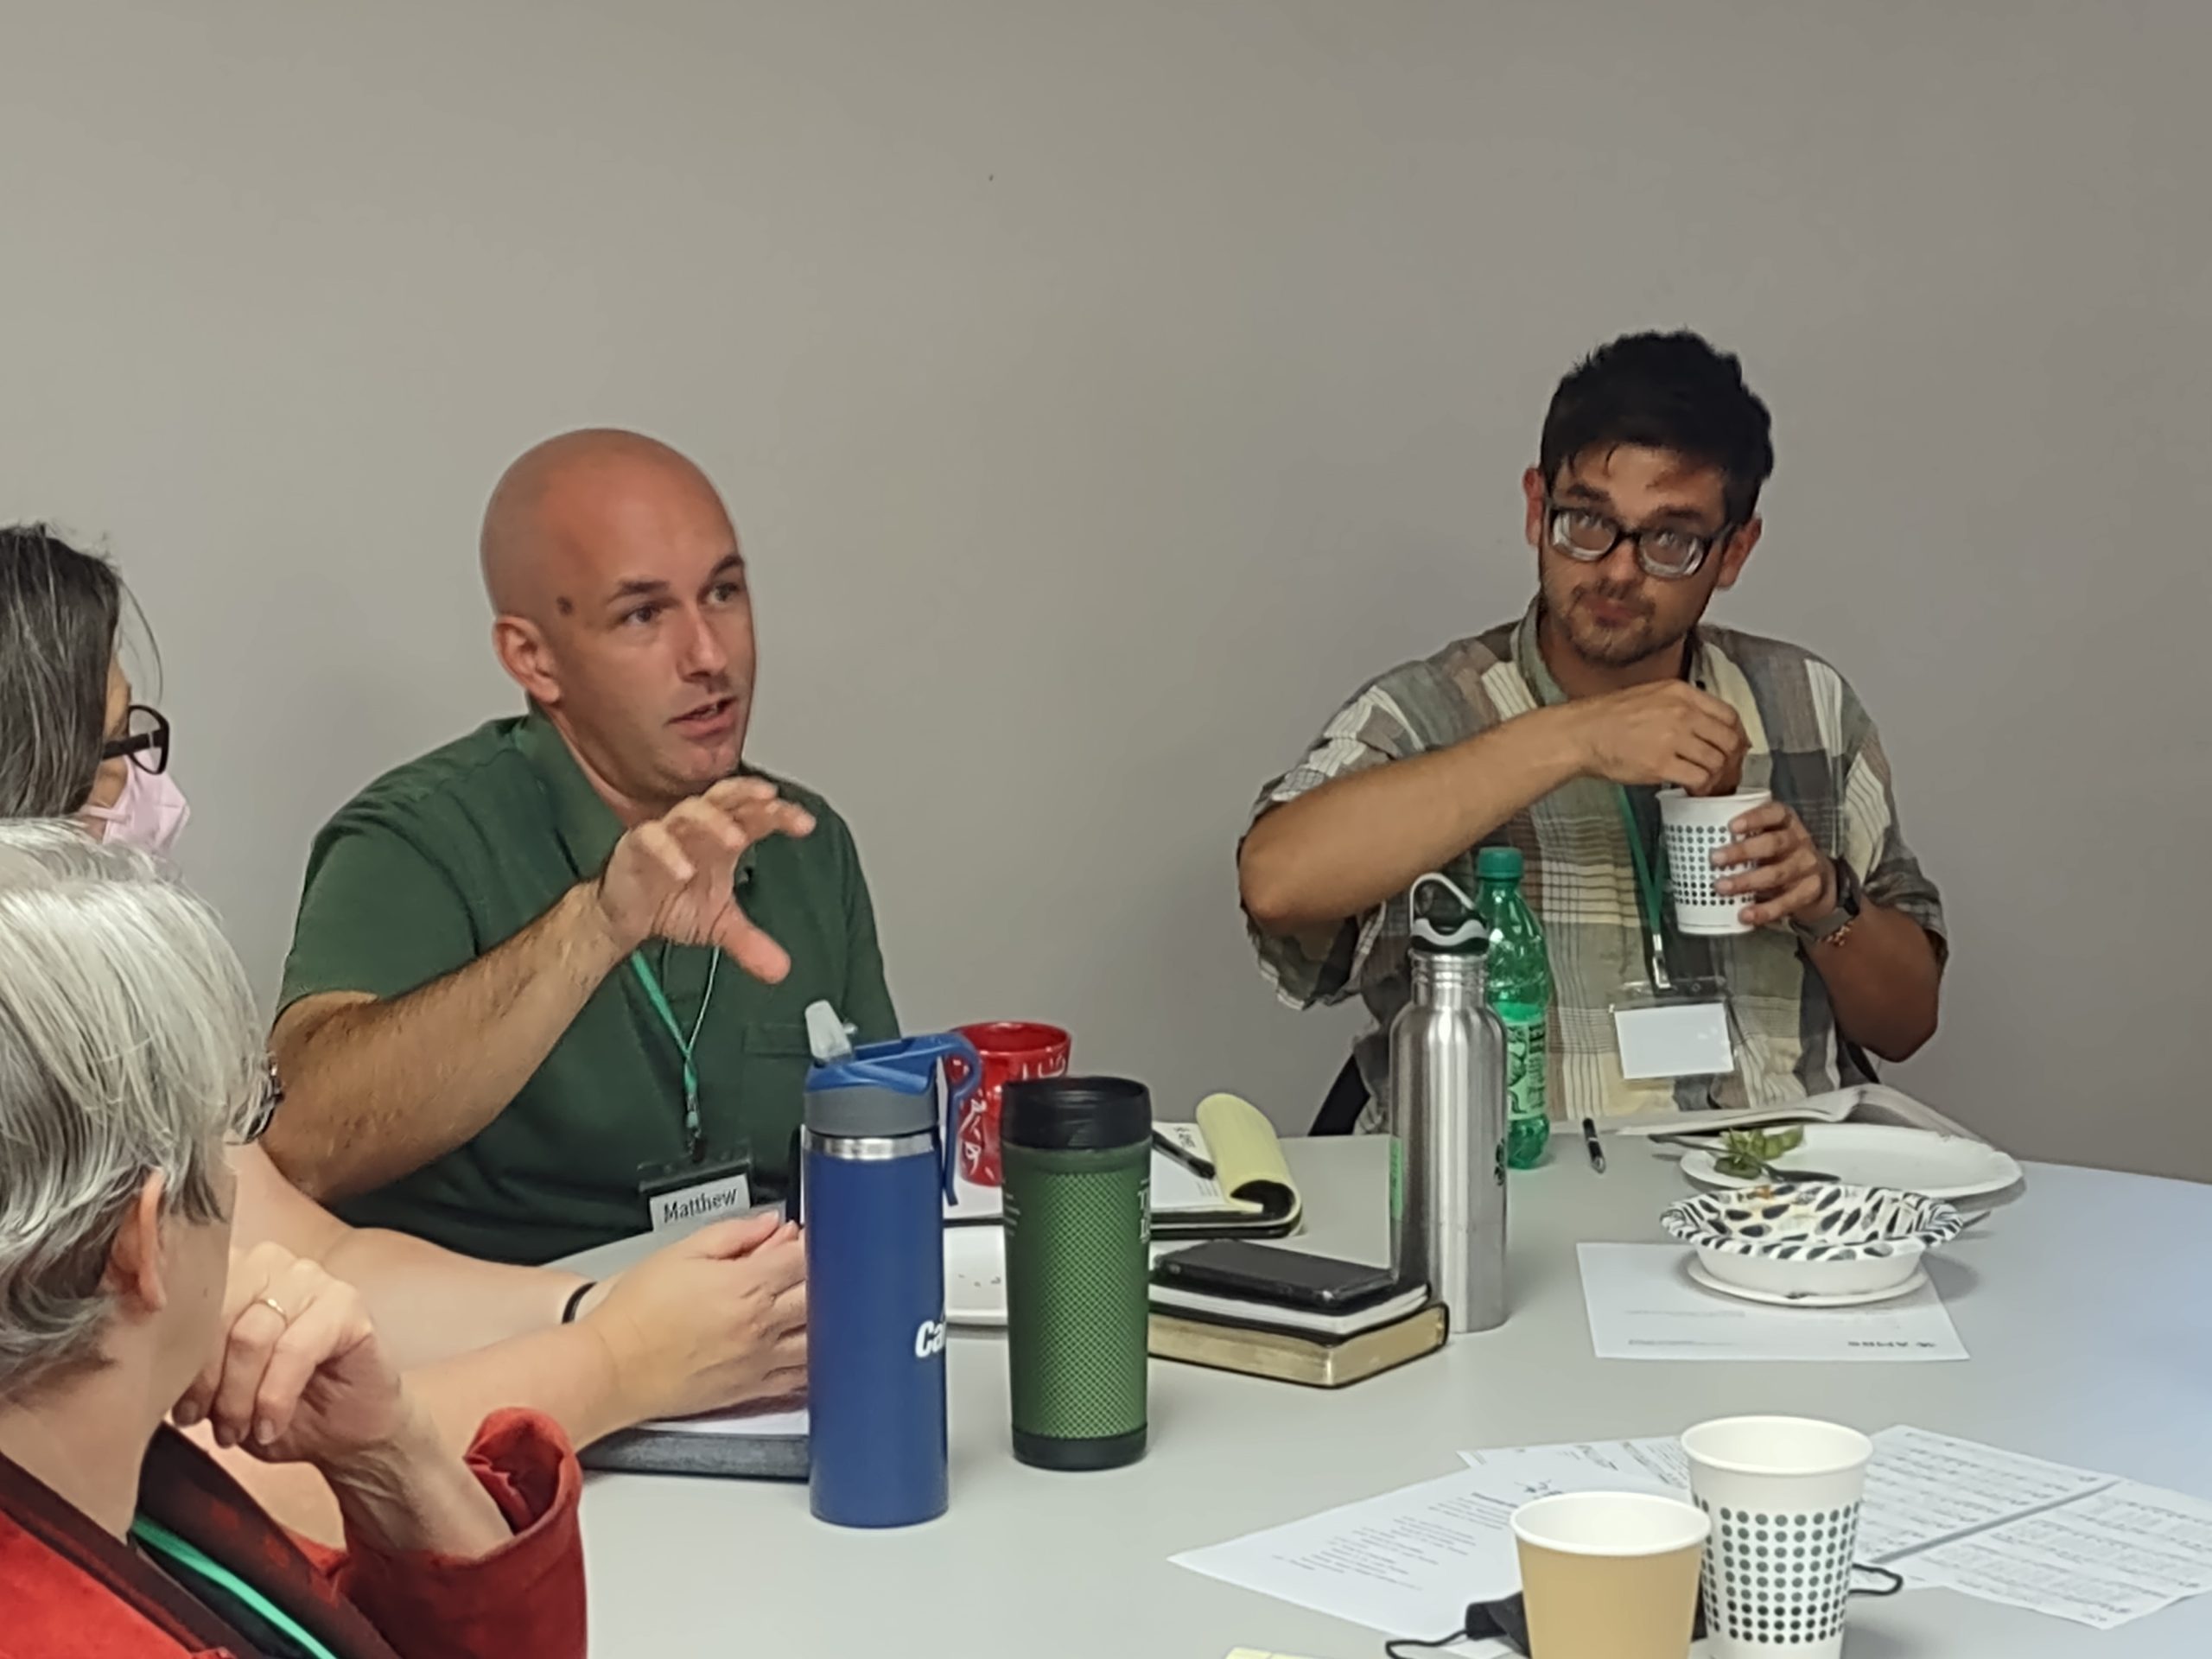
(1075,1113)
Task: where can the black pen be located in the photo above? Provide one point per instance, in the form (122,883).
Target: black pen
(1201,1167)
(1590,1140)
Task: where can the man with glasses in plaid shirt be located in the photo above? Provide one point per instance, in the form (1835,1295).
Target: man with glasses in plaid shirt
(1553,735)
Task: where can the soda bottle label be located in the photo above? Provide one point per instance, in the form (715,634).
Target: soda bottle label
(1524,1069)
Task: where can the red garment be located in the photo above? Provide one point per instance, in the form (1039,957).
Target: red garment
(68,1588)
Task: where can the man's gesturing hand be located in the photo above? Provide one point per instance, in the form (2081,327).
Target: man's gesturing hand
(674,877)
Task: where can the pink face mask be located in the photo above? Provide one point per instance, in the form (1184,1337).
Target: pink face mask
(149,814)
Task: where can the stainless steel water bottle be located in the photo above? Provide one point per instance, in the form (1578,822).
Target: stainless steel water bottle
(1447,1113)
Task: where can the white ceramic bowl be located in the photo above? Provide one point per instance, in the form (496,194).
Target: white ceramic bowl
(1815,1238)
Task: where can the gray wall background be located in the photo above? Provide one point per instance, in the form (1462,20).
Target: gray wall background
(1104,390)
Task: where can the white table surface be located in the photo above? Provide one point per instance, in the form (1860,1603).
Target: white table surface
(2081,1303)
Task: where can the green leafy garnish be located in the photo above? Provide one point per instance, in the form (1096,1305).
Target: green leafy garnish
(1747,1152)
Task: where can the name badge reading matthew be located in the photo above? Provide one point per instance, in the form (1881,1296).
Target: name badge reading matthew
(690,1195)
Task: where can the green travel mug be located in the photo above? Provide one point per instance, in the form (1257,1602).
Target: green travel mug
(1077,1156)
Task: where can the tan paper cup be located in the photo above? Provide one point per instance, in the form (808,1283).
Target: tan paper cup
(1609,1575)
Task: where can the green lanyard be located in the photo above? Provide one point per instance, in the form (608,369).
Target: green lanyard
(1648,892)
(695,1138)
(162,1542)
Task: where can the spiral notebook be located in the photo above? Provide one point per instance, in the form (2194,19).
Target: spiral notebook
(758,1445)
(1250,1194)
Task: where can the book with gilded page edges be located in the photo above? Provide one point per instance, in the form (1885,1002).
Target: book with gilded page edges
(1315,1360)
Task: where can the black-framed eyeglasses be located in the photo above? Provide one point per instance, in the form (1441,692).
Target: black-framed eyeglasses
(1663,550)
(254,1122)
(145,740)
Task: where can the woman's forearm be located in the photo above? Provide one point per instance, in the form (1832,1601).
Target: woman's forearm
(431,1304)
(414,1495)
(565,1371)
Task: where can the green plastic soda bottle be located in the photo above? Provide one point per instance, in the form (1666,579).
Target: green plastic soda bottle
(1519,990)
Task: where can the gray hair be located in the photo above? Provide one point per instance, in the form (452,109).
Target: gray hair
(129,1044)
(59,610)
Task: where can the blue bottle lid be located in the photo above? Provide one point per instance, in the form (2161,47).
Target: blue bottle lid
(887,1089)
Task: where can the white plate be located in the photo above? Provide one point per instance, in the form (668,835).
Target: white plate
(1882,1154)
(1776,1299)
(975,1275)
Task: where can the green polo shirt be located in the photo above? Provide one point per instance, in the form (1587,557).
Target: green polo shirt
(440,862)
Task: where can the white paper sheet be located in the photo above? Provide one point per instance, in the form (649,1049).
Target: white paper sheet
(1174,1187)
(1522,1474)
(739,1425)
(1923,1487)
(1942,1511)
(2102,1561)
(1460,1650)
(1406,1563)
(1643,1305)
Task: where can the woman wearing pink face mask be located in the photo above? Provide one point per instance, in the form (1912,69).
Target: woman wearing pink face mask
(72,742)
(704,1324)
(134,799)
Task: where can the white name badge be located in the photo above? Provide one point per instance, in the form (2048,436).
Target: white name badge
(694,1206)
(1675,1040)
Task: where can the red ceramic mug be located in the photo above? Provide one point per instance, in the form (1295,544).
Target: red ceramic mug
(1011,1050)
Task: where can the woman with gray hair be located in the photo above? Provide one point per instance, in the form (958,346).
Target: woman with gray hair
(129,1055)
(713,1320)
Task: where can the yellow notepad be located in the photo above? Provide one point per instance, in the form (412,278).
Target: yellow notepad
(1257,1197)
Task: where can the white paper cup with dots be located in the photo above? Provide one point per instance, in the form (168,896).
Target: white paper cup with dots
(1694,826)
(1783,1496)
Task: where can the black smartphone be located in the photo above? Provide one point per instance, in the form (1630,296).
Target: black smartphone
(1268,1273)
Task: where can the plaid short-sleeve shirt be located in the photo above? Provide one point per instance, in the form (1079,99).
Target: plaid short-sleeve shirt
(1812,743)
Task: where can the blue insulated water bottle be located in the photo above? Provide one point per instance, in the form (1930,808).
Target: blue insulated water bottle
(876,1169)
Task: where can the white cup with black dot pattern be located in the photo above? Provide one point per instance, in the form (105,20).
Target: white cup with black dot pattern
(1783,1496)
(1694,826)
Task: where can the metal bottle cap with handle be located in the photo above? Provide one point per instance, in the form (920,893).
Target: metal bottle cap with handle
(1447,1114)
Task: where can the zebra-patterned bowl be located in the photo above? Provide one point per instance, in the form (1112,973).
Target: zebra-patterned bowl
(1815,1238)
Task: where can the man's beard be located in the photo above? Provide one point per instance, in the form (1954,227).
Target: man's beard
(1610,647)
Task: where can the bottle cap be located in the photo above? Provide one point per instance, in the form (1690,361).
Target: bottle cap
(829,1037)
(1499,864)
(1075,1113)
(1450,925)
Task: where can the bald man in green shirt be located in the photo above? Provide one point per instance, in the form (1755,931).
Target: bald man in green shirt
(556,971)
